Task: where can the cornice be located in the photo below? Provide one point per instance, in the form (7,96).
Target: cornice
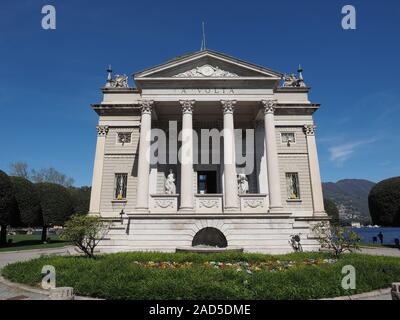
(121,90)
(293,89)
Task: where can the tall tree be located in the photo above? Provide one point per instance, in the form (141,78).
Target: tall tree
(28,202)
(81,199)
(56,204)
(7,205)
(19,169)
(384,203)
(51,175)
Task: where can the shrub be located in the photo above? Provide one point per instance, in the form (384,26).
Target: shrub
(384,203)
(336,238)
(85,232)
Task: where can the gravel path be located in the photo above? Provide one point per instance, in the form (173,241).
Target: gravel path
(11,292)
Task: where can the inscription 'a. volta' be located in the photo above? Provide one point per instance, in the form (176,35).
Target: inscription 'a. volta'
(205,91)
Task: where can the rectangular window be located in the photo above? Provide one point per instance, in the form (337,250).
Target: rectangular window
(293,187)
(121,181)
(288,137)
(124,137)
(207,182)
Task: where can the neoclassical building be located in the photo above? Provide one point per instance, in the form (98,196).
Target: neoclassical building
(207,149)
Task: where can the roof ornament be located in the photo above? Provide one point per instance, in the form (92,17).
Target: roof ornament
(119,81)
(291,81)
(300,72)
(203,41)
(109,76)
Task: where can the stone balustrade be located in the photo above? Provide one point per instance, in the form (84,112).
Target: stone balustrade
(208,203)
(253,203)
(164,203)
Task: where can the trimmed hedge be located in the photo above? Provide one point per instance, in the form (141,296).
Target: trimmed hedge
(56,203)
(384,203)
(119,276)
(28,202)
(7,206)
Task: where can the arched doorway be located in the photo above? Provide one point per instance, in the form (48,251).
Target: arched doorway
(210,237)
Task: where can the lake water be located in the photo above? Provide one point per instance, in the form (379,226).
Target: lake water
(389,234)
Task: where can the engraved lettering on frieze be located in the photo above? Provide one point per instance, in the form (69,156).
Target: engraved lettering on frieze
(206,91)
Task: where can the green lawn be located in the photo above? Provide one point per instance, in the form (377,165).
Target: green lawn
(29,242)
(215,276)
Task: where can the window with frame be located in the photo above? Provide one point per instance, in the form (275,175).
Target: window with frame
(124,137)
(293,187)
(121,181)
(288,137)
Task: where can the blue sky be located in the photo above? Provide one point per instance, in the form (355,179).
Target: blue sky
(49,79)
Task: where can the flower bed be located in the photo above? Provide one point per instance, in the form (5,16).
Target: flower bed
(241,266)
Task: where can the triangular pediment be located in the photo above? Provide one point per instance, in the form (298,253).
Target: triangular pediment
(207,65)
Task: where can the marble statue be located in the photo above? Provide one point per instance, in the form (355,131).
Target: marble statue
(170,187)
(243,184)
(290,80)
(120,81)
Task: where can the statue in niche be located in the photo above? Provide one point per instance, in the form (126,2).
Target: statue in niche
(170,187)
(243,184)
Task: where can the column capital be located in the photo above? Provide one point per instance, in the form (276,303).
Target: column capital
(187,106)
(269,106)
(146,106)
(228,105)
(309,129)
(102,130)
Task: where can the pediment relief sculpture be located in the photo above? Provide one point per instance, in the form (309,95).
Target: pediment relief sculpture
(206,71)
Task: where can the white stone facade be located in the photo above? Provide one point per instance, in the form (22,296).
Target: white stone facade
(207,90)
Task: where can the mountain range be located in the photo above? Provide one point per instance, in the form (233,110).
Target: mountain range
(351,198)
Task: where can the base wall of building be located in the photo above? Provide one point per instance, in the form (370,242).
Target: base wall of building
(260,234)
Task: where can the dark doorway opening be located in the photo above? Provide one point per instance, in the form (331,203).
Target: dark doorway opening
(210,237)
(206,182)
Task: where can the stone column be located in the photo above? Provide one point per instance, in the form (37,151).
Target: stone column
(187,199)
(142,194)
(315,176)
(261,158)
(230,177)
(97,180)
(274,184)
